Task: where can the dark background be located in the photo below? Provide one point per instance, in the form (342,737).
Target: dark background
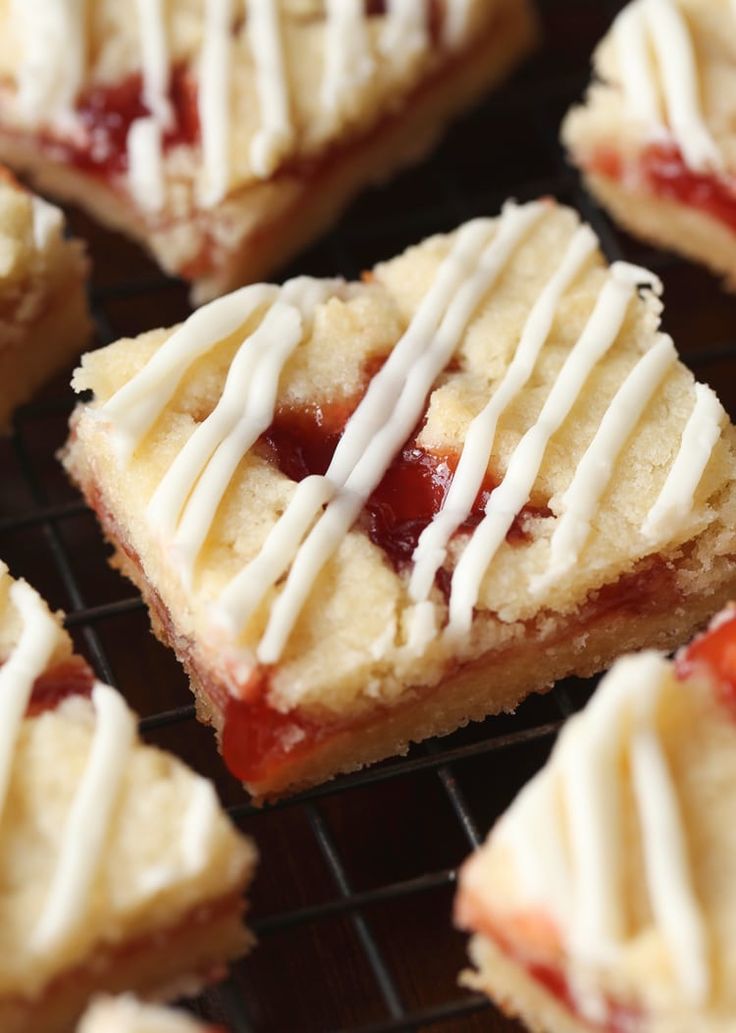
(353,897)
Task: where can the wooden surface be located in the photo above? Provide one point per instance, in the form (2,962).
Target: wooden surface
(312,971)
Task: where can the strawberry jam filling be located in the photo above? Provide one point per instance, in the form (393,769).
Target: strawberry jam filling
(302,442)
(714,655)
(663,172)
(615,1017)
(73,677)
(106,114)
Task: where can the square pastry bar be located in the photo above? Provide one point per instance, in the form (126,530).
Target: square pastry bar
(604,899)
(44,323)
(226,134)
(366,513)
(118,868)
(655,137)
(128,1015)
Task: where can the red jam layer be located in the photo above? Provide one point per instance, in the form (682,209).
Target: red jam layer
(665,174)
(107,113)
(71,678)
(714,655)
(619,1018)
(302,442)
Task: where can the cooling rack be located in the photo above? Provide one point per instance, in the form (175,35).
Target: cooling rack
(352,902)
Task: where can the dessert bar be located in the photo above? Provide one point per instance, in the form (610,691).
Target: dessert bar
(655,136)
(226,134)
(118,868)
(604,897)
(367,513)
(44,323)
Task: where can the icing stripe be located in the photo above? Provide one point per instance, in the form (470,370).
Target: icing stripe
(637,74)
(31,656)
(669,882)
(595,469)
(200,824)
(214,100)
(51,75)
(672,43)
(476,453)
(349,63)
(138,404)
(406,32)
(276,134)
(370,468)
(674,504)
(145,163)
(512,494)
(88,821)
(155,59)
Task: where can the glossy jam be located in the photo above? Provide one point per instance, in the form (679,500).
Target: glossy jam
(666,175)
(302,442)
(107,114)
(714,654)
(256,738)
(71,678)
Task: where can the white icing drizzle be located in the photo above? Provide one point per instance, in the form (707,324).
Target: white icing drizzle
(88,821)
(457,20)
(674,504)
(637,74)
(187,499)
(370,467)
(48,223)
(473,464)
(155,59)
(51,74)
(31,656)
(349,63)
(406,32)
(661,23)
(214,100)
(145,164)
(595,469)
(138,404)
(575,868)
(669,882)
(127,1015)
(508,499)
(199,825)
(145,136)
(276,134)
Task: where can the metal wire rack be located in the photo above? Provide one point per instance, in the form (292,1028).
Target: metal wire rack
(352,903)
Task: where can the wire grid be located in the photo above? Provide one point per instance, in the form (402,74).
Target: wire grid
(329,950)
